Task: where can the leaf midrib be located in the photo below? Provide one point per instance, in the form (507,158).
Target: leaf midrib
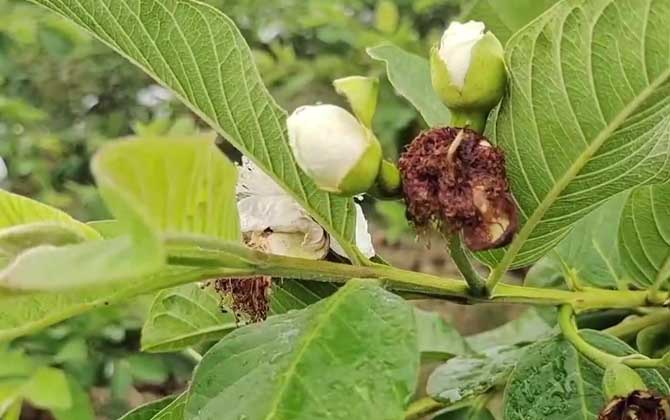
(317,326)
(571,173)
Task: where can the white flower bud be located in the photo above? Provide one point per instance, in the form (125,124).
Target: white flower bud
(334,149)
(456,48)
(468,68)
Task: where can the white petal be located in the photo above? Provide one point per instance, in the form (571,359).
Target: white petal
(3,169)
(298,245)
(456,48)
(279,213)
(253,181)
(363,237)
(327,141)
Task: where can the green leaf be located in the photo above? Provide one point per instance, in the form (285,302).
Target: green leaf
(353,355)
(504,17)
(13,411)
(644,236)
(137,178)
(290,294)
(410,76)
(183,317)
(80,409)
(554,381)
(528,328)
(467,413)
(191,314)
(195,50)
(17,211)
(588,255)
(654,341)
(150,410)
(466,377)
(437,339)
(169,408)
(48,388)
(174,411)
(586,116)
(23,314)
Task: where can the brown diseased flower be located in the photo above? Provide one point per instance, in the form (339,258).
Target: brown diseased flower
(455,179)
(638,405)
(248,297)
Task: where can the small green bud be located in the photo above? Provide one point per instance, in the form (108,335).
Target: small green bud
(468,68)
(362,94)
(620,380)
(389,182)
(339,153)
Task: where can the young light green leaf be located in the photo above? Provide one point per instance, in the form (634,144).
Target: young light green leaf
(599,124)
(410,76)
(466,377)
(48,389)
(554,381)
(644,236)
(292,366)
(199,53)
(16,210)
(437,339)
(504,17)
(81,407)
(23,314)
(527,328)
(137,179)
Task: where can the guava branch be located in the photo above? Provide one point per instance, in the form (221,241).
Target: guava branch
(208,252)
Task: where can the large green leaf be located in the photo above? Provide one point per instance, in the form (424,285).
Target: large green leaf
(504,17)
(192,314)
(197,51)
(154,187)
(644,235)
(410,76)
(553,381)
(353,355)
(586,115)
(466,377)
(588,255)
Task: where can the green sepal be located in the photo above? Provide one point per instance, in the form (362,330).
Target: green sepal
(388,184)
(620,380)
(363,175)
(362,94)
(485,81)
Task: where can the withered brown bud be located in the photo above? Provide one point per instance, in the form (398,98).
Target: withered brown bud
(455,179)
(638,405)
(249,298)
